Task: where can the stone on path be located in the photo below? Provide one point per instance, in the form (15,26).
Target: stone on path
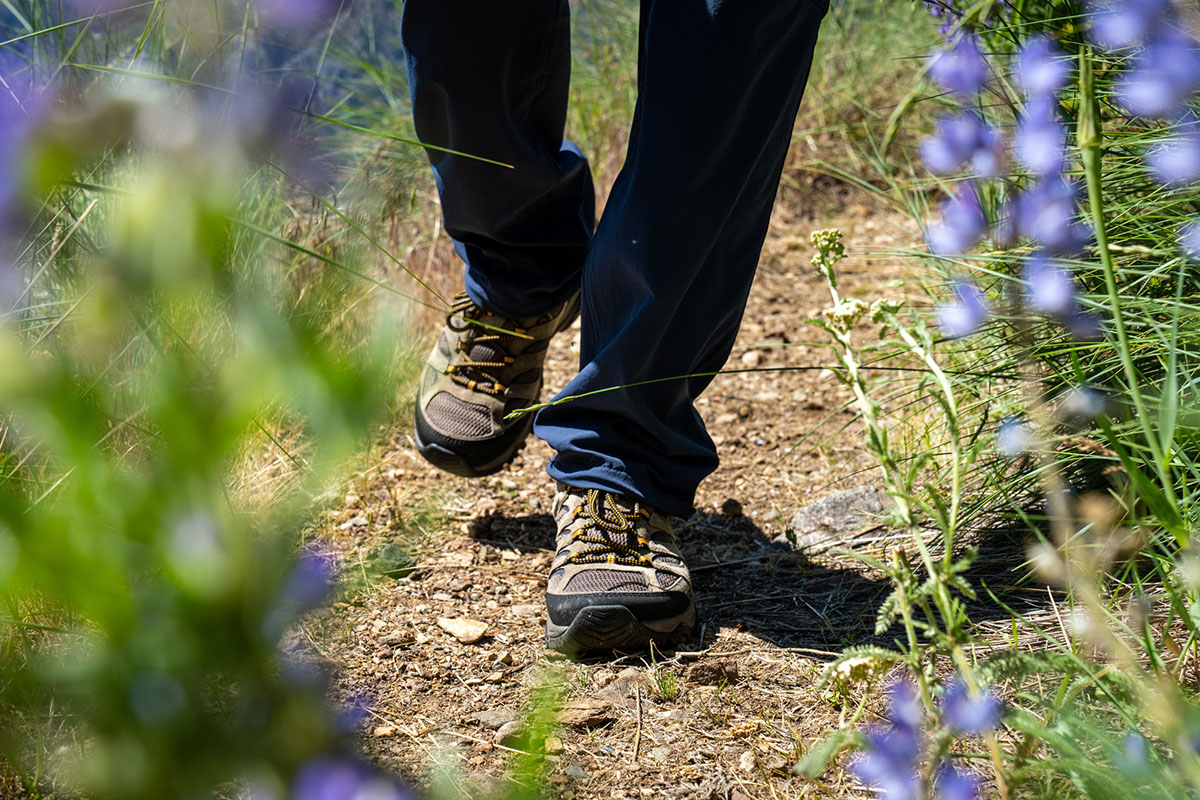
(587,714)
(467,631)
(830,520)
(711,673)
(495,718)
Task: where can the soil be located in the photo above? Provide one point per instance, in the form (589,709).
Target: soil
(728,713)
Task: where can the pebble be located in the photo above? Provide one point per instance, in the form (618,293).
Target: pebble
(746,761)
(397,639)
(554,745)
(504,657)
(603,677)
(357,522)
(385,732)
(731,508)
(508,733)
(661,754)
(467,631)
(495,718)
(527,609)
(587,713)
(711,673)
(752,358)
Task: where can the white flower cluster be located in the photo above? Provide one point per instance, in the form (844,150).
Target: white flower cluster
(830,250)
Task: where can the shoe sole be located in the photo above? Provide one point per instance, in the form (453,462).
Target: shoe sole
(616,628)
(448,460)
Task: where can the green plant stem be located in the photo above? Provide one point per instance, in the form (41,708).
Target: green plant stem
(1090,139)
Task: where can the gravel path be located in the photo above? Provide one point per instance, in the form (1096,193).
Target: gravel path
(448,654)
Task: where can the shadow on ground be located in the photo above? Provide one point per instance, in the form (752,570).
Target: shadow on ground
(745,580)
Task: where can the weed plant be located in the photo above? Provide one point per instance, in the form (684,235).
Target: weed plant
(1067,264)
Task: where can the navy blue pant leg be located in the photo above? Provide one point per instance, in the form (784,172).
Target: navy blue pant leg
(666,282)
(491,79)
(667,276)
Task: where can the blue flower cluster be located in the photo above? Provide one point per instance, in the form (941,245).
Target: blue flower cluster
(21,106)
(1166,67)
(1046,212)
(345,779)
(1163,79)
(892,761)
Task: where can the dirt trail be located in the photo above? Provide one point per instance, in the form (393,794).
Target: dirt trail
(728,714)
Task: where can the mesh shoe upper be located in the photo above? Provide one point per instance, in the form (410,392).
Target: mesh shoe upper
(608,544)
(485,366)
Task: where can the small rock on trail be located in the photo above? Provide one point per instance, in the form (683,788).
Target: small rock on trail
(711,673)
(467,631)
(825,523)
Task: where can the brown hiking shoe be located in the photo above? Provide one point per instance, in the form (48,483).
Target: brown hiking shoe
(618,582)
(474,377)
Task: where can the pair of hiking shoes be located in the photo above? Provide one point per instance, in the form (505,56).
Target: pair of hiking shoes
(618,581)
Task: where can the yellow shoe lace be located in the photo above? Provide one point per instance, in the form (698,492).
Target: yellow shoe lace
(601,511)
(465,370)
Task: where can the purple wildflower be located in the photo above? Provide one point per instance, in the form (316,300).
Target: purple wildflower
(310,582)
(1134,758)
(1084,325)
(21,107)
(1042,68)
(944,12)
(342,779)
(962,69)
(966,313)
(964,713)
(1176,162)
(1013,437)
(1189,239)
(1125,23)
(1049,286)
(1041,140)
(960,139)
(904,706)
(354,713)
(963,223)
(953,784)
(1081,406)
(890,762)
(1163,76)
(1047,213)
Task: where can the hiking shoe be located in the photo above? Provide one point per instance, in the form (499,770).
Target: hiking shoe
(474,377)
(618,582)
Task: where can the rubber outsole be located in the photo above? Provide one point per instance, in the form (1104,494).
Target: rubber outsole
(616,628)
(447,460)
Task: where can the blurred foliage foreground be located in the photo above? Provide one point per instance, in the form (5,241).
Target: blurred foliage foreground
(157,333)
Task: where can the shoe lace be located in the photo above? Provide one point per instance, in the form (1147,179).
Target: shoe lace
(604,517)
(468,371)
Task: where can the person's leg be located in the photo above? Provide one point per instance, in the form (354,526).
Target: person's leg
(491,79)
(666,282)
